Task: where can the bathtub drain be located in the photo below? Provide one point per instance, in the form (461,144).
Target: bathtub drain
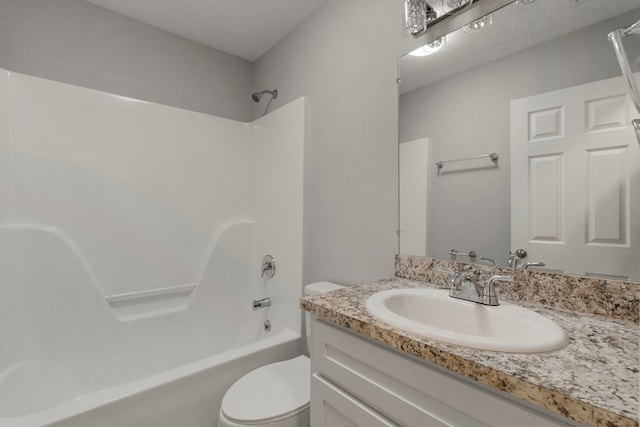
(267,326)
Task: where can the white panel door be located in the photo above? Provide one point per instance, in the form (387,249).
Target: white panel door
(575,180)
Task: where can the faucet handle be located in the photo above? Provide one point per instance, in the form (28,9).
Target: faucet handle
(489,295)
(516,257)
(450,275)
(501,278)
(445,270)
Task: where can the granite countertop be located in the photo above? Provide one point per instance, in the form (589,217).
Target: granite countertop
(594,380)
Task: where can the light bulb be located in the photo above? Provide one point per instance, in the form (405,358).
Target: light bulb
(478,25)
(429,48)
(449,6)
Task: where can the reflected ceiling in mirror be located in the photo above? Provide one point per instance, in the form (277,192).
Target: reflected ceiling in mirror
(462,102)
(512,29)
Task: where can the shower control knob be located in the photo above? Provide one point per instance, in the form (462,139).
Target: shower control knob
(268,266)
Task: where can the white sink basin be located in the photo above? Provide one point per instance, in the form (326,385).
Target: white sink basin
(431,313)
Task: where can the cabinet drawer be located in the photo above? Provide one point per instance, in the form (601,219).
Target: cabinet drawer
(333,407)
(410,392)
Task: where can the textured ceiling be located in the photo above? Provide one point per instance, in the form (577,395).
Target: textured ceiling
(514,28)
(244,28)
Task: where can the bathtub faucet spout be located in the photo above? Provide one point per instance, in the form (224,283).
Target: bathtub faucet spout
(261,303)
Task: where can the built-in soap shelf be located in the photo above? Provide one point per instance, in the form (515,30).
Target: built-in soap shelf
(152,302)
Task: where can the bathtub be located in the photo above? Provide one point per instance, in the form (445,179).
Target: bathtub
(186,396)
(71,356)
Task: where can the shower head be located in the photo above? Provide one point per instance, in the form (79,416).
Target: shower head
(256,96)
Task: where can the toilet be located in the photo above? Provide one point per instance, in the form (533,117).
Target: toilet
(274,395)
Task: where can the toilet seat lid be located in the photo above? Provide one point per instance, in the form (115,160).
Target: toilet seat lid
(271,391)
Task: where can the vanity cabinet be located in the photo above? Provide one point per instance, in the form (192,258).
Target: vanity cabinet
(358,382)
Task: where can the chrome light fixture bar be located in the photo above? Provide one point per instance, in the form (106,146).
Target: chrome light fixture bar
(616,37)
(418,15)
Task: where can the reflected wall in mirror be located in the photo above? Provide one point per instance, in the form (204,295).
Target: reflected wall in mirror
(541,87)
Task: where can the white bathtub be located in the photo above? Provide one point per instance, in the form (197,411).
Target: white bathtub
(71,356)
(187,396)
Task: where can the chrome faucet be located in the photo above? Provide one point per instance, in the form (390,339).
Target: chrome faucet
(462,286)
(534,264)
(261,303)
(516,257)
(513,261)
(487,260)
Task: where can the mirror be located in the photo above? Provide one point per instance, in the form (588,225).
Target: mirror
(538,85)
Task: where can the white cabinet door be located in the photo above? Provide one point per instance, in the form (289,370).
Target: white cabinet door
(575,179)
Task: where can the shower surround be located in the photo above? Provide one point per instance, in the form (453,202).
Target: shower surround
(131,238)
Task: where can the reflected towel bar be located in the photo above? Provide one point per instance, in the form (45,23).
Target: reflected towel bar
(455,253)
(493,156)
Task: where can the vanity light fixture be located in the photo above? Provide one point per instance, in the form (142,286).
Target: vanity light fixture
(477,25)
(429,48)
(417,14)
(454,6)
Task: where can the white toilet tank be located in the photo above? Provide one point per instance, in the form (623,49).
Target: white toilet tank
(316,288)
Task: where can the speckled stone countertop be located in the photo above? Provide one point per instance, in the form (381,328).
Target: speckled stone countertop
(594,380)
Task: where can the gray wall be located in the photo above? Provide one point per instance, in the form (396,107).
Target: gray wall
(77,42)
(344,58)
(468,114)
